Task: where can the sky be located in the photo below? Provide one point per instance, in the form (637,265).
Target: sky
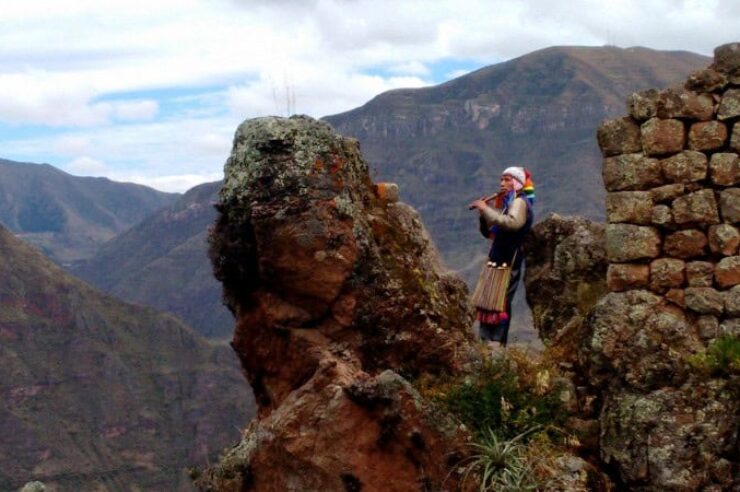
(152,91)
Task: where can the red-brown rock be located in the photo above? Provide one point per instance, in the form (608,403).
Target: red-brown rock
(729,204)
(666,273)
(336,289)
(707,135)
(676,103)
(707,80)
(677,297)
(699,274)
(685,167)
(724,239)
(696,208)
(662,216)
(634,207)
(708,326)
(725,169)
(727,59)
(704,300)
(631,172)
(619,136)
(661,137)
(626,276)
(732,308)
(387,192)
(685,244)
(727,272)
(627,242)
(643,105)
(729,107)
(668,192)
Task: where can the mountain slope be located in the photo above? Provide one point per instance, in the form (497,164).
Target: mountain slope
(67,216)
(96,394)
(162,262)
(446,145)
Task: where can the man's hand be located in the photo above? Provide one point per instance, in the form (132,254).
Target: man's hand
(480,204)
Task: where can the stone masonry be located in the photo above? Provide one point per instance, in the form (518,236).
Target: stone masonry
(672,173)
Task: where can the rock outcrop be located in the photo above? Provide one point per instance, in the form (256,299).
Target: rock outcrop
(565,277)
(338,296)
(671,241)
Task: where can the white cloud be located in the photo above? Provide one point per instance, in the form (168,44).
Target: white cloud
(86,166)
(178,183)
(457,73)
(212,143)
(78,66)
(307,91)
(181,151)
(136,110)
(71,145)
(413,67)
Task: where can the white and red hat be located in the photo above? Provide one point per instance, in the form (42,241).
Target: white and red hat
(517,173)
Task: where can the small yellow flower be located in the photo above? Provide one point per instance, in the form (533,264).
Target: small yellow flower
(542,382)
(505,409)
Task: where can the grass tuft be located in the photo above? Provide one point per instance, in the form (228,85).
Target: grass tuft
(720,359)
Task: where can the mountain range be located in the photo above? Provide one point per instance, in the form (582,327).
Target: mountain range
(162,262)
(97,394)
(444,145)
(69,217)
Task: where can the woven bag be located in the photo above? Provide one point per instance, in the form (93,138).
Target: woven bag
(493,284)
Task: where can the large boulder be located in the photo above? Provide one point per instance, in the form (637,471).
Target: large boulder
(337,292)
(637,339)
(565,277)
(672,438)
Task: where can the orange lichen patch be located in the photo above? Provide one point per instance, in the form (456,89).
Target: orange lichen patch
(337,163)
(387,192)
(318,165)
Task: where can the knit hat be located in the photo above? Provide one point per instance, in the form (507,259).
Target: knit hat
(524,181)
(516,173)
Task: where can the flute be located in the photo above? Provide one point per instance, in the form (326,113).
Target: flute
(492,197)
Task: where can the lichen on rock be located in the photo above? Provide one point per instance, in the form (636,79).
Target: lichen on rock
(339,295)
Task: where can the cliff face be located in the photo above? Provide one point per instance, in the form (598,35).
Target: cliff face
(100,395)
(338,294)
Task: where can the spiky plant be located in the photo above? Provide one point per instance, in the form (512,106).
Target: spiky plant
(500,463)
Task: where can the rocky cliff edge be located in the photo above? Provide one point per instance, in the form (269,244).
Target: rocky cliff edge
(339,296)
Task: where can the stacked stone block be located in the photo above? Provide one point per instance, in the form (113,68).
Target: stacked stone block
(672,172)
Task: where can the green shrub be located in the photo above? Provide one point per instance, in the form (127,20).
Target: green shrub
(515,415)
(497,398)
(721,358)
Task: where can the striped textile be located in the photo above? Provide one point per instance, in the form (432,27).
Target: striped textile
(492,288)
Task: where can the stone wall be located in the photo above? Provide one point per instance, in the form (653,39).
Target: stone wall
(672,171)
